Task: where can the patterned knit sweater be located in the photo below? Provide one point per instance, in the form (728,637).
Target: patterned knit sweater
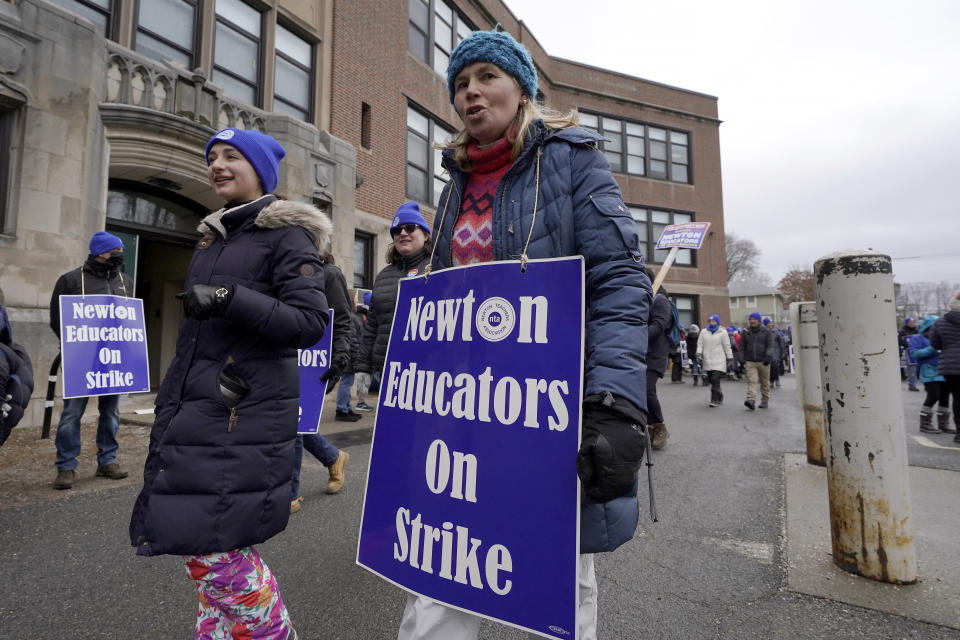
(473,232)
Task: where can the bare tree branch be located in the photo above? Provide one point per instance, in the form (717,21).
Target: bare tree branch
(743,257)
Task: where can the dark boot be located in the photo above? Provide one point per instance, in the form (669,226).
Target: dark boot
(943,421)
(926,420)
(714,399)
(695,380)
(658,435)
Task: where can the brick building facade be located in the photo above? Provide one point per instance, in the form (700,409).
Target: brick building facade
(389,99)
(105,106)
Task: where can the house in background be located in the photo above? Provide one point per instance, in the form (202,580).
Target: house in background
(747,297)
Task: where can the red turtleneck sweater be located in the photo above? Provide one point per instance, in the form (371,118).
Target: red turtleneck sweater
(473,232)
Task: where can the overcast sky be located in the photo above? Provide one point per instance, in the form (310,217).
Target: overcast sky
(841,120)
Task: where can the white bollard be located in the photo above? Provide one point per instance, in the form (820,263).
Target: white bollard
(806,342)
(870,521)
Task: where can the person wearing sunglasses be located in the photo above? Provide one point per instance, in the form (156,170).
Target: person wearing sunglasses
(407,256)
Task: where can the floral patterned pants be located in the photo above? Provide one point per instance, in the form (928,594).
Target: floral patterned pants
(239,598)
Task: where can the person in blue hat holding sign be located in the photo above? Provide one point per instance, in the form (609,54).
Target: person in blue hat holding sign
(528,183)
(101,273)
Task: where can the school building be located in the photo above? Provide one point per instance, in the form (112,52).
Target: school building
(105,107)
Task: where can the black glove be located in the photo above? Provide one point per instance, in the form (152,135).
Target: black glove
(332,375)
(766,361)
(202,301)
(700,361)
(730,363)
(614,439)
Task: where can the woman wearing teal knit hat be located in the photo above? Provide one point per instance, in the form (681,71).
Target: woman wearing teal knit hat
(528,183)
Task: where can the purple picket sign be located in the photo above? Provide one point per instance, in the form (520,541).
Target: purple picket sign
(103,343)
(472,497)
(314,362)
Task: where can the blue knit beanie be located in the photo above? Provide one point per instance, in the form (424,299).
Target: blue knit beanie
(501,49)
(756,316)
(715,317)
(260,150)
(407,213)
(101,242)
(766,321)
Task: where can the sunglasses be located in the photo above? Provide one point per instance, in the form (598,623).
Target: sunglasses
(409,228)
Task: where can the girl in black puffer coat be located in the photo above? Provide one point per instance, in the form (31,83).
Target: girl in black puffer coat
(945,336)
(217,476)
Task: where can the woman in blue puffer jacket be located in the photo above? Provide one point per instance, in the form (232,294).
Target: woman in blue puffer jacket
(529,185)
(935,385)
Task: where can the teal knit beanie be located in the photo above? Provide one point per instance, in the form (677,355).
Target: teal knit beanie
(499,48)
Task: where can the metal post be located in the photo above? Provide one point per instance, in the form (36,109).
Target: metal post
(803,317)
(48,404)
(870,521)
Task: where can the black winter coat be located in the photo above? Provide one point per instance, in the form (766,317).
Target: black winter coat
(93,278)
(757,344)
(945,336)
(338,298)
(16,377)
(658,326)
(356,337)
(383,304)
(692,344)
(218,479)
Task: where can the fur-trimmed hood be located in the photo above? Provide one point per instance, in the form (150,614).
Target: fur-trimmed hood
(282,213)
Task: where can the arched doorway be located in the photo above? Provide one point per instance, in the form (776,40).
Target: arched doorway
(159,230)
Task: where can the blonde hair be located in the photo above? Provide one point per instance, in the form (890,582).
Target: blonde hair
(527,112)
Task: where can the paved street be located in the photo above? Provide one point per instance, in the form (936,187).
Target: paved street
(715,566)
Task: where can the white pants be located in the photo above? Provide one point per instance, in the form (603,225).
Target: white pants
(424,619)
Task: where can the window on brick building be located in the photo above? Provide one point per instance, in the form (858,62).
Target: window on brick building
(650,223)
(293,75)
(166,30)
(363,247)
(236,56)
(687,308)
(642,149)
(96,11)
(365,125)
(434,29)
(425,175)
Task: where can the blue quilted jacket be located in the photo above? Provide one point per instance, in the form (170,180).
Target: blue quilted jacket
(580,211)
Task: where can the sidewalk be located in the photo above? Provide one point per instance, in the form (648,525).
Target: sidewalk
(936,595)
(27,462)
